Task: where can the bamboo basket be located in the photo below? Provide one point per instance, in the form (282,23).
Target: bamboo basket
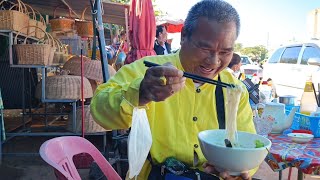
(62,24)
(90,125)
(84,27)
(14,20)
(40,24)
(35,54)
(65,87)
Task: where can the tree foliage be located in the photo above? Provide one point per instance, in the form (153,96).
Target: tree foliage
(256,53)
(238,47)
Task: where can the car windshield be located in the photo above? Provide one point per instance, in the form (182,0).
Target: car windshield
(245,60)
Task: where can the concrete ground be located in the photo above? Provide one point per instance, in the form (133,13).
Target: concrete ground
(34,168)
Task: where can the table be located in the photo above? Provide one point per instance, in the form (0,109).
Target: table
(284,153)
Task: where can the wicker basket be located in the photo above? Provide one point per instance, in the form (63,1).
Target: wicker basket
(61,54)
(14,20)
(92,68)
(58,53)
(35,54)
(62,24)
(84,27)
(65,87)
(90,125)
(40,24)
(32,21)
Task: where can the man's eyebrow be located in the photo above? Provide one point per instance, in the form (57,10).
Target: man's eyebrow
(204,44)
(228,49)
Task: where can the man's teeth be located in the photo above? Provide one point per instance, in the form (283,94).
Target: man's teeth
(206,69)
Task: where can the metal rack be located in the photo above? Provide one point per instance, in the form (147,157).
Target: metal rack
(23,132)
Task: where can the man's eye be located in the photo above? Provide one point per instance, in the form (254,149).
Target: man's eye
(224,52)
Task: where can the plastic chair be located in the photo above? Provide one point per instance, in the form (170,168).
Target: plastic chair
(60,153)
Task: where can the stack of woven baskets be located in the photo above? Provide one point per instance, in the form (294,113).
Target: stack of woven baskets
(90,125)
(92,69)
(29,23)
(16,16)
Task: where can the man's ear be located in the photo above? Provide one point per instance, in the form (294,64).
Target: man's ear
(183,36)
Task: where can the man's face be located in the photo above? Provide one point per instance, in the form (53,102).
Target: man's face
(163,35)
(209,49)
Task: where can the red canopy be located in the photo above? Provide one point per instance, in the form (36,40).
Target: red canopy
(142,30)
(173,28)
(172,25)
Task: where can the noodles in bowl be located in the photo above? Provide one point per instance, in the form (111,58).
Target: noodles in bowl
(248,150)
(244,157)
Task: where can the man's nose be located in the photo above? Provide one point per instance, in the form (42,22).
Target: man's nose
(213,59)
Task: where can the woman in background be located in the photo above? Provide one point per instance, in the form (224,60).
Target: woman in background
(234,66)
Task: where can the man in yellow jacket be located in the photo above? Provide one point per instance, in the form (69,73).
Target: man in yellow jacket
(179,108)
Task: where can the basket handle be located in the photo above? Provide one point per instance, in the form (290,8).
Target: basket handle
(62,46)
(55,10)
(83,13)
(41,18)
(58,44)
(2,8)
(21,7)
(50,39)
(32,11)
(25,40)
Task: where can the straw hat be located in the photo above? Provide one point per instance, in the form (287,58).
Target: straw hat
(92,68)
(65,87)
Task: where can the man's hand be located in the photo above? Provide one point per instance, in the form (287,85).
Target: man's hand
(160,82)
(208,168)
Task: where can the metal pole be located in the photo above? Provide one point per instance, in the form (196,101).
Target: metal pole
(23,98)
(30,93)
(102,43)
(94,39)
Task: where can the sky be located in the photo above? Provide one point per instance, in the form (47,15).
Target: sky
(263,22)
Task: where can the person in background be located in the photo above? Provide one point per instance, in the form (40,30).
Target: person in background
(122,51)
(161,46)
(234,66)
(173,104)
(124,46)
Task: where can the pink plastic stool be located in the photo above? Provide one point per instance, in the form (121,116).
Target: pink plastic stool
(60,153)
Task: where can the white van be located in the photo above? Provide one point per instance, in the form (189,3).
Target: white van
(290,66)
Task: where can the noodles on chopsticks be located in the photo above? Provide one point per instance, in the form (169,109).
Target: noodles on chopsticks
(232,104)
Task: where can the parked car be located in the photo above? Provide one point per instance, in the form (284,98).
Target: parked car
(249,68)
(290,66)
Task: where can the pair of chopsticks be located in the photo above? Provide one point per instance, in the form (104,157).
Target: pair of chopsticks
(315,94)
(196,77)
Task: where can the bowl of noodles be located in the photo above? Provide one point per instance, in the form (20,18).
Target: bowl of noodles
(247,152)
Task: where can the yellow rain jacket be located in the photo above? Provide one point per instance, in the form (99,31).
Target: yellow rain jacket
(175,122)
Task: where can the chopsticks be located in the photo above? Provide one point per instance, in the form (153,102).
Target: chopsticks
(196,77)
(315,95)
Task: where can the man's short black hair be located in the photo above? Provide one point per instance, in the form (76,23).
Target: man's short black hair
(159,30)
(236,59)
(213,10)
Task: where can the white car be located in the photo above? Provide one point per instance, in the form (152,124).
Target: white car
(249,68)
(290,66)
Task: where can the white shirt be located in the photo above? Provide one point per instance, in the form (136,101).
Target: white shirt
(165,49)
(235,74)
